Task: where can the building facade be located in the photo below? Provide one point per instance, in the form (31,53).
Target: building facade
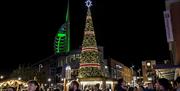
(172,24)
(118,70)
(54,66)
(148,70)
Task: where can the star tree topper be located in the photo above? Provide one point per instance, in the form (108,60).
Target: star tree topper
(88,3)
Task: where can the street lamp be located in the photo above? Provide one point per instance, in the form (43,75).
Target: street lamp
(40,66)
(132,66)
(49,80)
(45,84)
(139,70)
(62,79)
(132,71)
(133,80)
(1,77)
(19,78)
(52,84)
(148,64)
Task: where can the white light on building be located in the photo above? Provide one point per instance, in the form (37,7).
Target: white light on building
(149,78)
(68,72)
(19,78)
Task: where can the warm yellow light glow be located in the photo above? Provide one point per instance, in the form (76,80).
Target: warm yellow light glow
(13,83)
(109,82)
(90,82)
(89,32)
(148,64)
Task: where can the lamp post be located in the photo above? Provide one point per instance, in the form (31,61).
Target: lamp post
(132,74)
(139,70)
(49,80)
(40,66)
(149,71)
(148,64)
(39,73)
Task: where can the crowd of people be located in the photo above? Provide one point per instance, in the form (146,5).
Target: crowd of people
(161,84)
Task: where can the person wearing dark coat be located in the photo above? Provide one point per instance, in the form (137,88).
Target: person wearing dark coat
(178,83)
(120,86)
(163,84)
(74,86)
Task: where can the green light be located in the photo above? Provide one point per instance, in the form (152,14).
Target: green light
(61,35)
(62,41)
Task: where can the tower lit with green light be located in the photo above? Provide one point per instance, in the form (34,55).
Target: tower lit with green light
(62,39)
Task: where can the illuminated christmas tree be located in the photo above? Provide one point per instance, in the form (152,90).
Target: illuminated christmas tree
(90,59)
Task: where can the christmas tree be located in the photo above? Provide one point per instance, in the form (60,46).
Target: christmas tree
(90,59)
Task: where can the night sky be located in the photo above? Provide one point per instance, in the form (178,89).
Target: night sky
(129,31)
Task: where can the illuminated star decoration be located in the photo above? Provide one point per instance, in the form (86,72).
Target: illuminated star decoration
(88,3)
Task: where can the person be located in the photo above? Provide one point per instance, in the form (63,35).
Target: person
(97,87)
(131,89)
(178,83)
(120,86)
(163,85)
(135,89)
(150,87)
(141,88)
(10,89)
(33,85)
(74,86)
(56,90)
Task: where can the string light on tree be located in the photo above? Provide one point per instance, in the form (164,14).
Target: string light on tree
(90,58)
